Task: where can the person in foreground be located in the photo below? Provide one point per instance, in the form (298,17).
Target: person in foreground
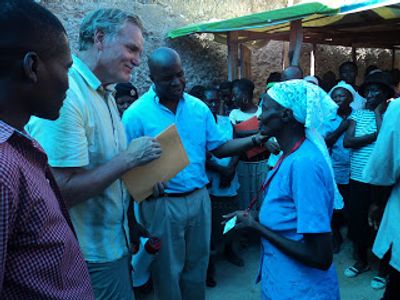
(88,149)
(181,217)
(294,220)
(39,253)
(384,170)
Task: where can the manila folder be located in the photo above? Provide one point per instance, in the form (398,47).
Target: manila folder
(140,180)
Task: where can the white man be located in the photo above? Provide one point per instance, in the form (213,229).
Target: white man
(88,150)
(181,217)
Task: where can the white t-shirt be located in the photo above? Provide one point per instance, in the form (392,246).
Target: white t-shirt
(236,116)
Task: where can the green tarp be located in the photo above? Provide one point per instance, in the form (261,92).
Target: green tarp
(258,20)
(340,20)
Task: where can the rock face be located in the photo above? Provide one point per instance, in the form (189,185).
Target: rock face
(205,60)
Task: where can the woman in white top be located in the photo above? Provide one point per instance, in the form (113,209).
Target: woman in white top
(251,171)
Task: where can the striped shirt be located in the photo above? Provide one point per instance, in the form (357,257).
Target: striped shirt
(365,124)
(89,133)
(39,253)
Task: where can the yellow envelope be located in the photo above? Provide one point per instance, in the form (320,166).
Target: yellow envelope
(140,180)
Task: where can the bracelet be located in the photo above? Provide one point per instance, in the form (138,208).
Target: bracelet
(254,141)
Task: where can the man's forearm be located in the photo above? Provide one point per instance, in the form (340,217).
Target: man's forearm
(245,133)
(213,166)
(234,147)
(79,184)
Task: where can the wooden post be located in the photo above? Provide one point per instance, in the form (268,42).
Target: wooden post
(285,55)
(233,55)
(245,62)
(393,58)
(354,54)
(285,48)
(296,41)
(312,59)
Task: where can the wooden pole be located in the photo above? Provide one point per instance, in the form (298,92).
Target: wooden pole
(285,48)
(393,58)
(354,54)
(233,55)
(312,59)
(296,41)
(285,55)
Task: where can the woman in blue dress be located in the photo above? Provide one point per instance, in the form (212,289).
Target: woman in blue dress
(294,220)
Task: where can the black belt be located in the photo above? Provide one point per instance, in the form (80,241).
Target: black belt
(179,194)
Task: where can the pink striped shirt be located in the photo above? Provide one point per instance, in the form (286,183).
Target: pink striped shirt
(39,253)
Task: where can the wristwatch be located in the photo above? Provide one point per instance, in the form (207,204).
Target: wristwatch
(254,140)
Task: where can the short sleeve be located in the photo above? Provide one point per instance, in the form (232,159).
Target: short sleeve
(214,137)
(354,116)
(233,116)
(385,169)
(313,195)
(64,140)
(132,123)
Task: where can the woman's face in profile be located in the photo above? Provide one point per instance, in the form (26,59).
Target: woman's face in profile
(270,118)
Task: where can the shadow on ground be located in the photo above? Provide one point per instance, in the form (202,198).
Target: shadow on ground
(235,283)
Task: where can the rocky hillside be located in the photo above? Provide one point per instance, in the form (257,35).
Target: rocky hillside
(204,60)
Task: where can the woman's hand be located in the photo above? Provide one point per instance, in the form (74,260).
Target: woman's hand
(244,219)
(272,147)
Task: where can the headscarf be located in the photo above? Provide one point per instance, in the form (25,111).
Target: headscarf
(358,101)
(313,107)
(342,84)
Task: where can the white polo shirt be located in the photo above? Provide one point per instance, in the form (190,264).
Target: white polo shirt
(89,133)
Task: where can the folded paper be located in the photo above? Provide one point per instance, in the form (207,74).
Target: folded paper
(141,180)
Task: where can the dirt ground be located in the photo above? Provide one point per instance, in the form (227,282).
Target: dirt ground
(240,284)
(235,283)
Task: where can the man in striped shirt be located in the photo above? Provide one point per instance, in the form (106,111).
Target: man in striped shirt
(39,252)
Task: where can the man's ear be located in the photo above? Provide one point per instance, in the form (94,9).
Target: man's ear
(98,39)
(30,66)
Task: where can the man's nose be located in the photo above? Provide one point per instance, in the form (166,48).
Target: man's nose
(175,81)
(136,60)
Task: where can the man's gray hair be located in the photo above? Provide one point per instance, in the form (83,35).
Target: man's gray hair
(108,20)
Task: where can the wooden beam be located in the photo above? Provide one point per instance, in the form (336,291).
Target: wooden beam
(385,39)
(233,55)
(296,40)
(312,59)
(393,58)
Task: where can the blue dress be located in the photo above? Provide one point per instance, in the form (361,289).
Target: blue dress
(299,200)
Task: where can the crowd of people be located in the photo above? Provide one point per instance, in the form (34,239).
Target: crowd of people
(290,169)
